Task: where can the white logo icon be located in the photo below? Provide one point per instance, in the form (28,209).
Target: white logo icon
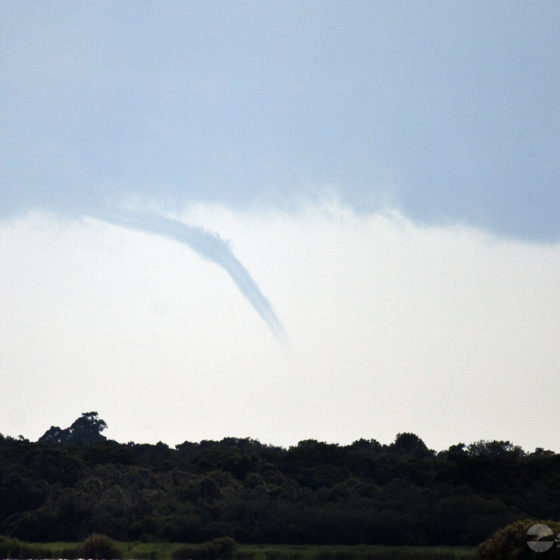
(544,538)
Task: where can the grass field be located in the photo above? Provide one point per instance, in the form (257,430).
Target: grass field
(358,552)
(12,548)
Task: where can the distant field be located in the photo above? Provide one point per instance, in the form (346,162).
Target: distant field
(11,548)
(359,552)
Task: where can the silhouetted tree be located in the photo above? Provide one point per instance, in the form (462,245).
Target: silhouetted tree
(75,483)
(410,444)
(86,430)
(494,449)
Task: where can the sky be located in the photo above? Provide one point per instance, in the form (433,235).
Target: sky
(281,220)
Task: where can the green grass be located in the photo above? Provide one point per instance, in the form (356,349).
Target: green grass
(357,552)
(12,548)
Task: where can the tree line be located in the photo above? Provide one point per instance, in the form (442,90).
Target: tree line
(74,482)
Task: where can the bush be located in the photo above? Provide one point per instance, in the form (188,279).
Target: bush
(220,548)
(9,547)
(276,554)
(14,548)
(245,555)
(511,542)
(99,547)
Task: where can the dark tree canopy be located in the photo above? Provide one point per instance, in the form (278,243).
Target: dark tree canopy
(75,482)
(494,449)
(410,444)
(86,430)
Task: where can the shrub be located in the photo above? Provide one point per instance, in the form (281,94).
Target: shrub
(99,547)
(245,555)
(511,542)
(11,547)
(275,554)
(221,548)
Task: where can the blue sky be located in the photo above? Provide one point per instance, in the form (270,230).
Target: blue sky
(378,180)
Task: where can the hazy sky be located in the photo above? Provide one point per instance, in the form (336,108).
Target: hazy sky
(281,220)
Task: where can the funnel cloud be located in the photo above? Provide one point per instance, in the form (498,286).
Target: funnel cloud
(208,245)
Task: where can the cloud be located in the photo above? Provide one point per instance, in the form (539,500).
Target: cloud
(448,332)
